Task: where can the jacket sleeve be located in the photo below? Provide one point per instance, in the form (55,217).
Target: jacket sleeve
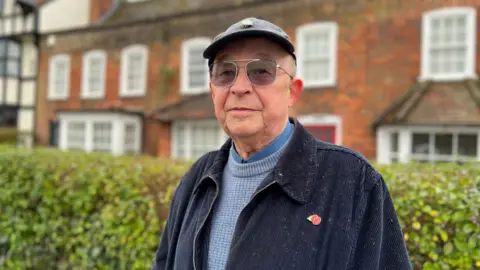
(161,254)
(176,213)
(380,243)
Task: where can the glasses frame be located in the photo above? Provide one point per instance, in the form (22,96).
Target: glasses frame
(234,62)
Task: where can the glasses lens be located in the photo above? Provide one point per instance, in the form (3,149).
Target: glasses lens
(261,72)
(223,73)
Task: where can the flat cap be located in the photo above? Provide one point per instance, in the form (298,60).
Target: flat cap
(250,27)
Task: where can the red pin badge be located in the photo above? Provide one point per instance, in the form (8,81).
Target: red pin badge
(315,219)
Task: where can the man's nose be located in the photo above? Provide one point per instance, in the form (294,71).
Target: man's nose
(241,84)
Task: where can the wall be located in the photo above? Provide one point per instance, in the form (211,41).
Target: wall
(379,52)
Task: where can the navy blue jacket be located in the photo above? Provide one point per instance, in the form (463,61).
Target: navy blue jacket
(359,228)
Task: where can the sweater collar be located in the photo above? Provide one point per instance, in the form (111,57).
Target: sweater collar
(295,171)
(271,148)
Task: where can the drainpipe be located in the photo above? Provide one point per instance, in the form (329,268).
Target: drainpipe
(107,14)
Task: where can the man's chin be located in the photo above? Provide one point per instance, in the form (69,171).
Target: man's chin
(242,130)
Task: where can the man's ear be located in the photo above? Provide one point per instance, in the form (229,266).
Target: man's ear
(211,89)
(296,88)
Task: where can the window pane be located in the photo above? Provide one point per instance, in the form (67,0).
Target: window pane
(322,133)
(130,142)
(102,136)
(467,145)
(316,70)
(195,57)
(8,117)
(444,144)
(134,70)
(197,78)
(448,43)
(420,143)
(13,50)
(76,135)
(180,141)
(95,76)
(204,138)
(394,142)
(461,26)
(3,48)
(12,67)
(197,68)
(316,44)
(316,48)
(60,70)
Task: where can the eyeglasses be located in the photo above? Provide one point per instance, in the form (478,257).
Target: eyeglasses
(259,72)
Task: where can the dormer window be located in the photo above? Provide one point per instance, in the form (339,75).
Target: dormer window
(448,44)
(194,66)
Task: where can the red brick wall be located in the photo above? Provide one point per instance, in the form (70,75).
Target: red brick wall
(46,109)
(378,59)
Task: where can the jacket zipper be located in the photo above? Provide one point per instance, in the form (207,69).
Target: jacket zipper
(256,193)
(203,223)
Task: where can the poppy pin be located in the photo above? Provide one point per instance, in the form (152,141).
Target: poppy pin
(315,219)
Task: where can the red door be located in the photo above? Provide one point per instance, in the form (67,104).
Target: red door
(324,133)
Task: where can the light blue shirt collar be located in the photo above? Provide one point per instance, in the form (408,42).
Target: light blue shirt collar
(269,149)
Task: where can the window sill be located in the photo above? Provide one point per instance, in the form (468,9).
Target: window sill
(132,94)
(446,78)
(313,86)
(194,91)
(57,98)
(86,96)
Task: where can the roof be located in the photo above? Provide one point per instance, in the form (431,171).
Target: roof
(135,11)
(35,2)
(435,103)
(198,106)
(111,109)
(156,10)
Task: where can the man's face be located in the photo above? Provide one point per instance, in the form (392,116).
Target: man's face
(245,110)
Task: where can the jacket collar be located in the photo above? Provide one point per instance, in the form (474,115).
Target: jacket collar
(295,171)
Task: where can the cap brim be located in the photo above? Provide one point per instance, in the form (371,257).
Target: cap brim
(218,44)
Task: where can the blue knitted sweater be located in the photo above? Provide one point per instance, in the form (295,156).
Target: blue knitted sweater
(239,182)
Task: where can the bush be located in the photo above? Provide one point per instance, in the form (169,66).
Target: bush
(8,135)
(438,206)
(77,211)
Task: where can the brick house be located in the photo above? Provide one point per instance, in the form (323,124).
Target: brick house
(396,81)
(21,23)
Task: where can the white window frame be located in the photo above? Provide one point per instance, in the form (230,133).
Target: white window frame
(471,17)
(301,32)
(52,94)
(405,137)
(187,45)
(100,146)
(118,121)
(188,130)
(137,141)
(323,120)
(86,93)
(141,90)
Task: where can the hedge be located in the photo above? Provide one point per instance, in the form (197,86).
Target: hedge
(8,135)
(93,211)
(76,211)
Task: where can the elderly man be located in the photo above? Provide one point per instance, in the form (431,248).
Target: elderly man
(274,197)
